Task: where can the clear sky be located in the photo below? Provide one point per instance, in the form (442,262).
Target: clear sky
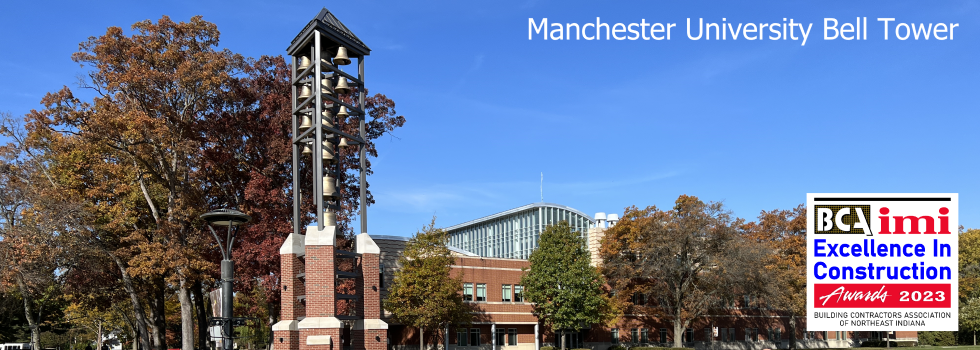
(754,124)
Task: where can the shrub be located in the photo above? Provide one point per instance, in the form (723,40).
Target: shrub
(547,348)
(617,347)
(937,338)
(878,344)
(657,348)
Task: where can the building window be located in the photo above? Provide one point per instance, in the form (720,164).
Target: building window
(755,334)
(501,333)
(748,334)
(468,291)
(644,335)
(512,336)
(615,335)
(707,334)
(663,335)
(689,335)
(505,292)
(474,337)
(634,336)
(460,336)
(824,335)
(518,294)
(777,334)
(481,292)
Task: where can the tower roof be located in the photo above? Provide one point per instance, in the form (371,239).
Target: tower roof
(329,25)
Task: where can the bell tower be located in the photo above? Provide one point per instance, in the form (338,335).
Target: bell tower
(330,296)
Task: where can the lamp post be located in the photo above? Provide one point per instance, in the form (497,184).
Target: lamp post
(229,218)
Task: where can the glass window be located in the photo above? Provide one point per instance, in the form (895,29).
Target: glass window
(501,333)
(512,336)
(644,335)
(707,334)
(481,292)
(748,334)
(518,294)
(634,335)
(615,336)
(468,291)
(505,293)
(460,336)
(755,334)
(663,335)
(689,335)
(777,334)
(474,337)
(723,334)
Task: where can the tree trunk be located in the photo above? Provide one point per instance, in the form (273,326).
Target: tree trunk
(186,315)
(159,327)
(32,321)
(563,335)
(202,317)
(678,331)
(792,332)
(421,338)
(141,321)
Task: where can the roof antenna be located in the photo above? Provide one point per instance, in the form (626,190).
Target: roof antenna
(542,187)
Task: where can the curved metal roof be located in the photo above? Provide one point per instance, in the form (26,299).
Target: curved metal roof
(517,210)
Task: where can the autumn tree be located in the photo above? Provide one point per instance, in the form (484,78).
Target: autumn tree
(423,294)
(783,233)
(686,260)
(969,270)
(566,292)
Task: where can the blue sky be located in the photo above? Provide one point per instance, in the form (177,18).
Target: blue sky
(755,124)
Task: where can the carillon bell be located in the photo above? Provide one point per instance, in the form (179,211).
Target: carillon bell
(343,142)
(342,87)
(341,58)
(327,151)
(329,188)
(307,149)
(343,112)
(304,63)
(326,118)
(329,219)
(305,92)
(306,122)
(326,86)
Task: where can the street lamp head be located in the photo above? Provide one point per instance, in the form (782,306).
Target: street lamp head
(226,217)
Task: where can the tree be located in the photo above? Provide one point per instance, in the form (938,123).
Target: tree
(969,294)
(565,291)
(783,233)
(687,260)
(423,294)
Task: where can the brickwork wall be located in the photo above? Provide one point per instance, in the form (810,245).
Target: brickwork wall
(286,340)
(320,281)
(293,287)
(334,334)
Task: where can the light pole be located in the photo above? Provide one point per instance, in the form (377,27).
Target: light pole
(230,218)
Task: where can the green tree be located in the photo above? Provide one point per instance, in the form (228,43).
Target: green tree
(566,292)
(423,294)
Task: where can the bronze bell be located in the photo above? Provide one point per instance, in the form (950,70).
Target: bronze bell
(326,118)
(305,92)
(326,86)
(304,63)
(327,151)
(306,122)
(307,149)
(341,58)
(343,142)
(329,219)
(343,112)
(329,187)
(342,87)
